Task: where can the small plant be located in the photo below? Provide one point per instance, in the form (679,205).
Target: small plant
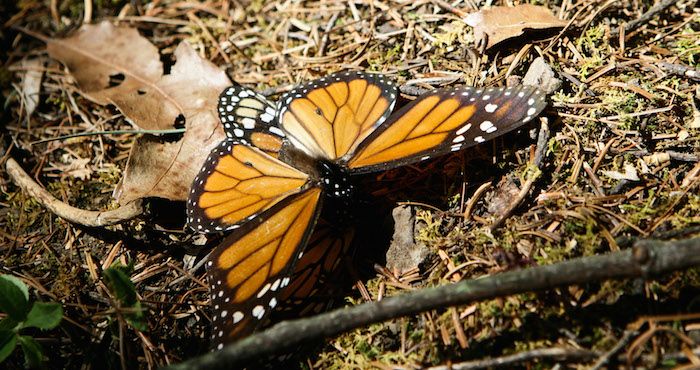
(117,278)
(14,302)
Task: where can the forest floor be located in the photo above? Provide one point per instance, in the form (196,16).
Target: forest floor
(621,163)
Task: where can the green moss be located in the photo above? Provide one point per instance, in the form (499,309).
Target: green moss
(431,231)
(255,6)
(688,48)
(591,46)
(73,9)
(592,40)
(638,214)
(389,57)
(450,34)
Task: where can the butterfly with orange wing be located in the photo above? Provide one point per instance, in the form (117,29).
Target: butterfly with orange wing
(268,181)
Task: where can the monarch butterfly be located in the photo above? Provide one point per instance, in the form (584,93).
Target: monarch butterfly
(268,179)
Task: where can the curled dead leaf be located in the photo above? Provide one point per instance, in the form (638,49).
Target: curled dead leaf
(79,168)
(501,23)
(656,159)
(404,253)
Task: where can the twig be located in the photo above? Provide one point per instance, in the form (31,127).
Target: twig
(475,197)
(646,17)
(324,36)
(514,204)
(542,140)
(68,212)
(645,259)
(619,346)
(560,354)
(450,8)
(686,157)
(209,36)
(680,70)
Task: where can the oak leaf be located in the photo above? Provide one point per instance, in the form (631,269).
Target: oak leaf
(115,65)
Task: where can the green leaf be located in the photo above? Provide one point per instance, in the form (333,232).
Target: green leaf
(8,342)
(128,269)
(17,282)
(32,351)
(137,319)
(44,315)
(14,297)
(125,291)
(120,285)
(9,324)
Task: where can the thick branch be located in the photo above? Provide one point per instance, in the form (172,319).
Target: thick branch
(646,258)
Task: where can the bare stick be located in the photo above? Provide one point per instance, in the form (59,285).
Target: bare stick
(645,259)
(646,17)
(557,354)
(68,212)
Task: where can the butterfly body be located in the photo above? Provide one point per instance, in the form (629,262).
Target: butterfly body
(268,180)
(333,179)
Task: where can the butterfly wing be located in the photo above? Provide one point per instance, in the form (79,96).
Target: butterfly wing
(250,268)
(237,183)
(329,117)
(444,121)
(250,118)
(318,269)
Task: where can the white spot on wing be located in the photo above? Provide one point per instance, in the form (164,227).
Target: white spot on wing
(264,290)
(258,311)
(266,117)
(237,317)
(464,129)
(248,123)
(276,131)
(275,285)
(486,125)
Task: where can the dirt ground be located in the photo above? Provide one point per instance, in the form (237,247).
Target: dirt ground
(617,163)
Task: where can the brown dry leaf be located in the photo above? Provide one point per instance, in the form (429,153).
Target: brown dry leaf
(79,168)
(502,23)
(117,66)
(161,169)
(114,65)
(629,174)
